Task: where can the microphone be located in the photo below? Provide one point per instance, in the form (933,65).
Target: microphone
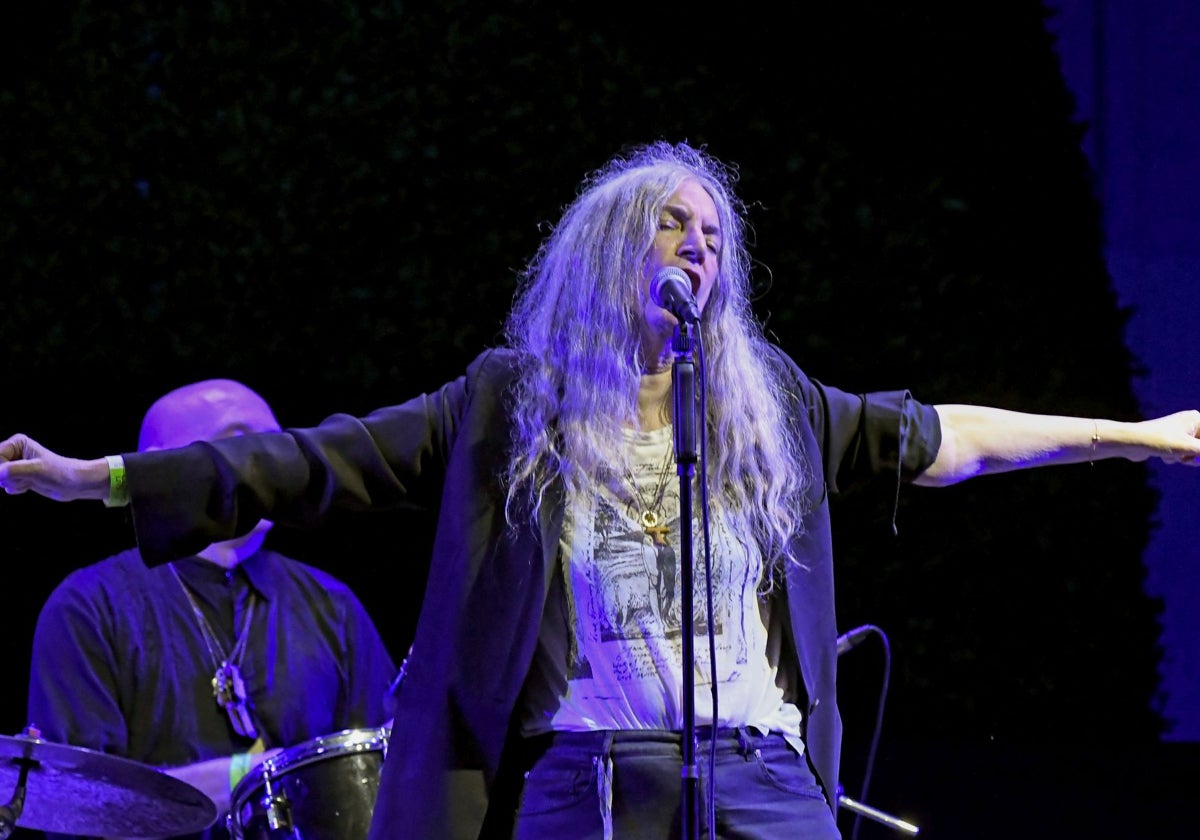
(671,289)
(853,638)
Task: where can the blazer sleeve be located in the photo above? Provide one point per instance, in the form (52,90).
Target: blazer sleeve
(864,435)
(187,498)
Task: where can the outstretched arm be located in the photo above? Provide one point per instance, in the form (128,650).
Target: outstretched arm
(977,440)
(27,465)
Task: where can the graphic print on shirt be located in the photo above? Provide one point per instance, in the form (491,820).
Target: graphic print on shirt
(622,604)
(625,597)
(637,575)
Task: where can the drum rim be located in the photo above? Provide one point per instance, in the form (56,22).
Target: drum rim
(364,739)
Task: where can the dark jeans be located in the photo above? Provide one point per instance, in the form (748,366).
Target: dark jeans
(628,786)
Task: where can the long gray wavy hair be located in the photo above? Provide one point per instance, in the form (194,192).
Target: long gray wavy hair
(576,326)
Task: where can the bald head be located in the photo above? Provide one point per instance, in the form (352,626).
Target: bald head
(214,408)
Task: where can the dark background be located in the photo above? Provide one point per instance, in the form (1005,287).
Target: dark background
(329,201)
(1134,68)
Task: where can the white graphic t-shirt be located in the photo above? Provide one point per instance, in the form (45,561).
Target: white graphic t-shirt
(621,602)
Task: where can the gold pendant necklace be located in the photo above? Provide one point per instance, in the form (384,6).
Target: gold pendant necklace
(651,515)
(229,689)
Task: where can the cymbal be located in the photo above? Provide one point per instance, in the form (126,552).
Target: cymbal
(73,790)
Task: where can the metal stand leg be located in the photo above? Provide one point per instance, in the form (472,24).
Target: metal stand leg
(877,815)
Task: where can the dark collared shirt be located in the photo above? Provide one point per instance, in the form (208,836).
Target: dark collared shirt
(120,664)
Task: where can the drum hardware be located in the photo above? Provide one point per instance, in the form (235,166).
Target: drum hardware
(275,804)
(62,789)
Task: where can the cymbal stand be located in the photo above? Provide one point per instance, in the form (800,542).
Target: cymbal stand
(11,812)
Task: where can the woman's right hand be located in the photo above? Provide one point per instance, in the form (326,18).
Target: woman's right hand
(27,465)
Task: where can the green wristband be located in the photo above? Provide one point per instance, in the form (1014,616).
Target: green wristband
(118,490)
(239,765)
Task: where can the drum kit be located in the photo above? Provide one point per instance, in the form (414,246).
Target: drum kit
(323,789)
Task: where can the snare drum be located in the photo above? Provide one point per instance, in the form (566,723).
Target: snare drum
(323,789)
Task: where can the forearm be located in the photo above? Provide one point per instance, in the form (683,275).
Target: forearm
(978,440)
(27,466)
(216,778)
(209,777)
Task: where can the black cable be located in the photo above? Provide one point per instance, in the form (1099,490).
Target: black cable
(702,393)
(845,643)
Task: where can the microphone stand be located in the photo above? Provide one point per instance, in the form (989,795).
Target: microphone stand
(683,380)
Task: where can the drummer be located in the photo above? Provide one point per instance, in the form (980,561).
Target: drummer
(207,665)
